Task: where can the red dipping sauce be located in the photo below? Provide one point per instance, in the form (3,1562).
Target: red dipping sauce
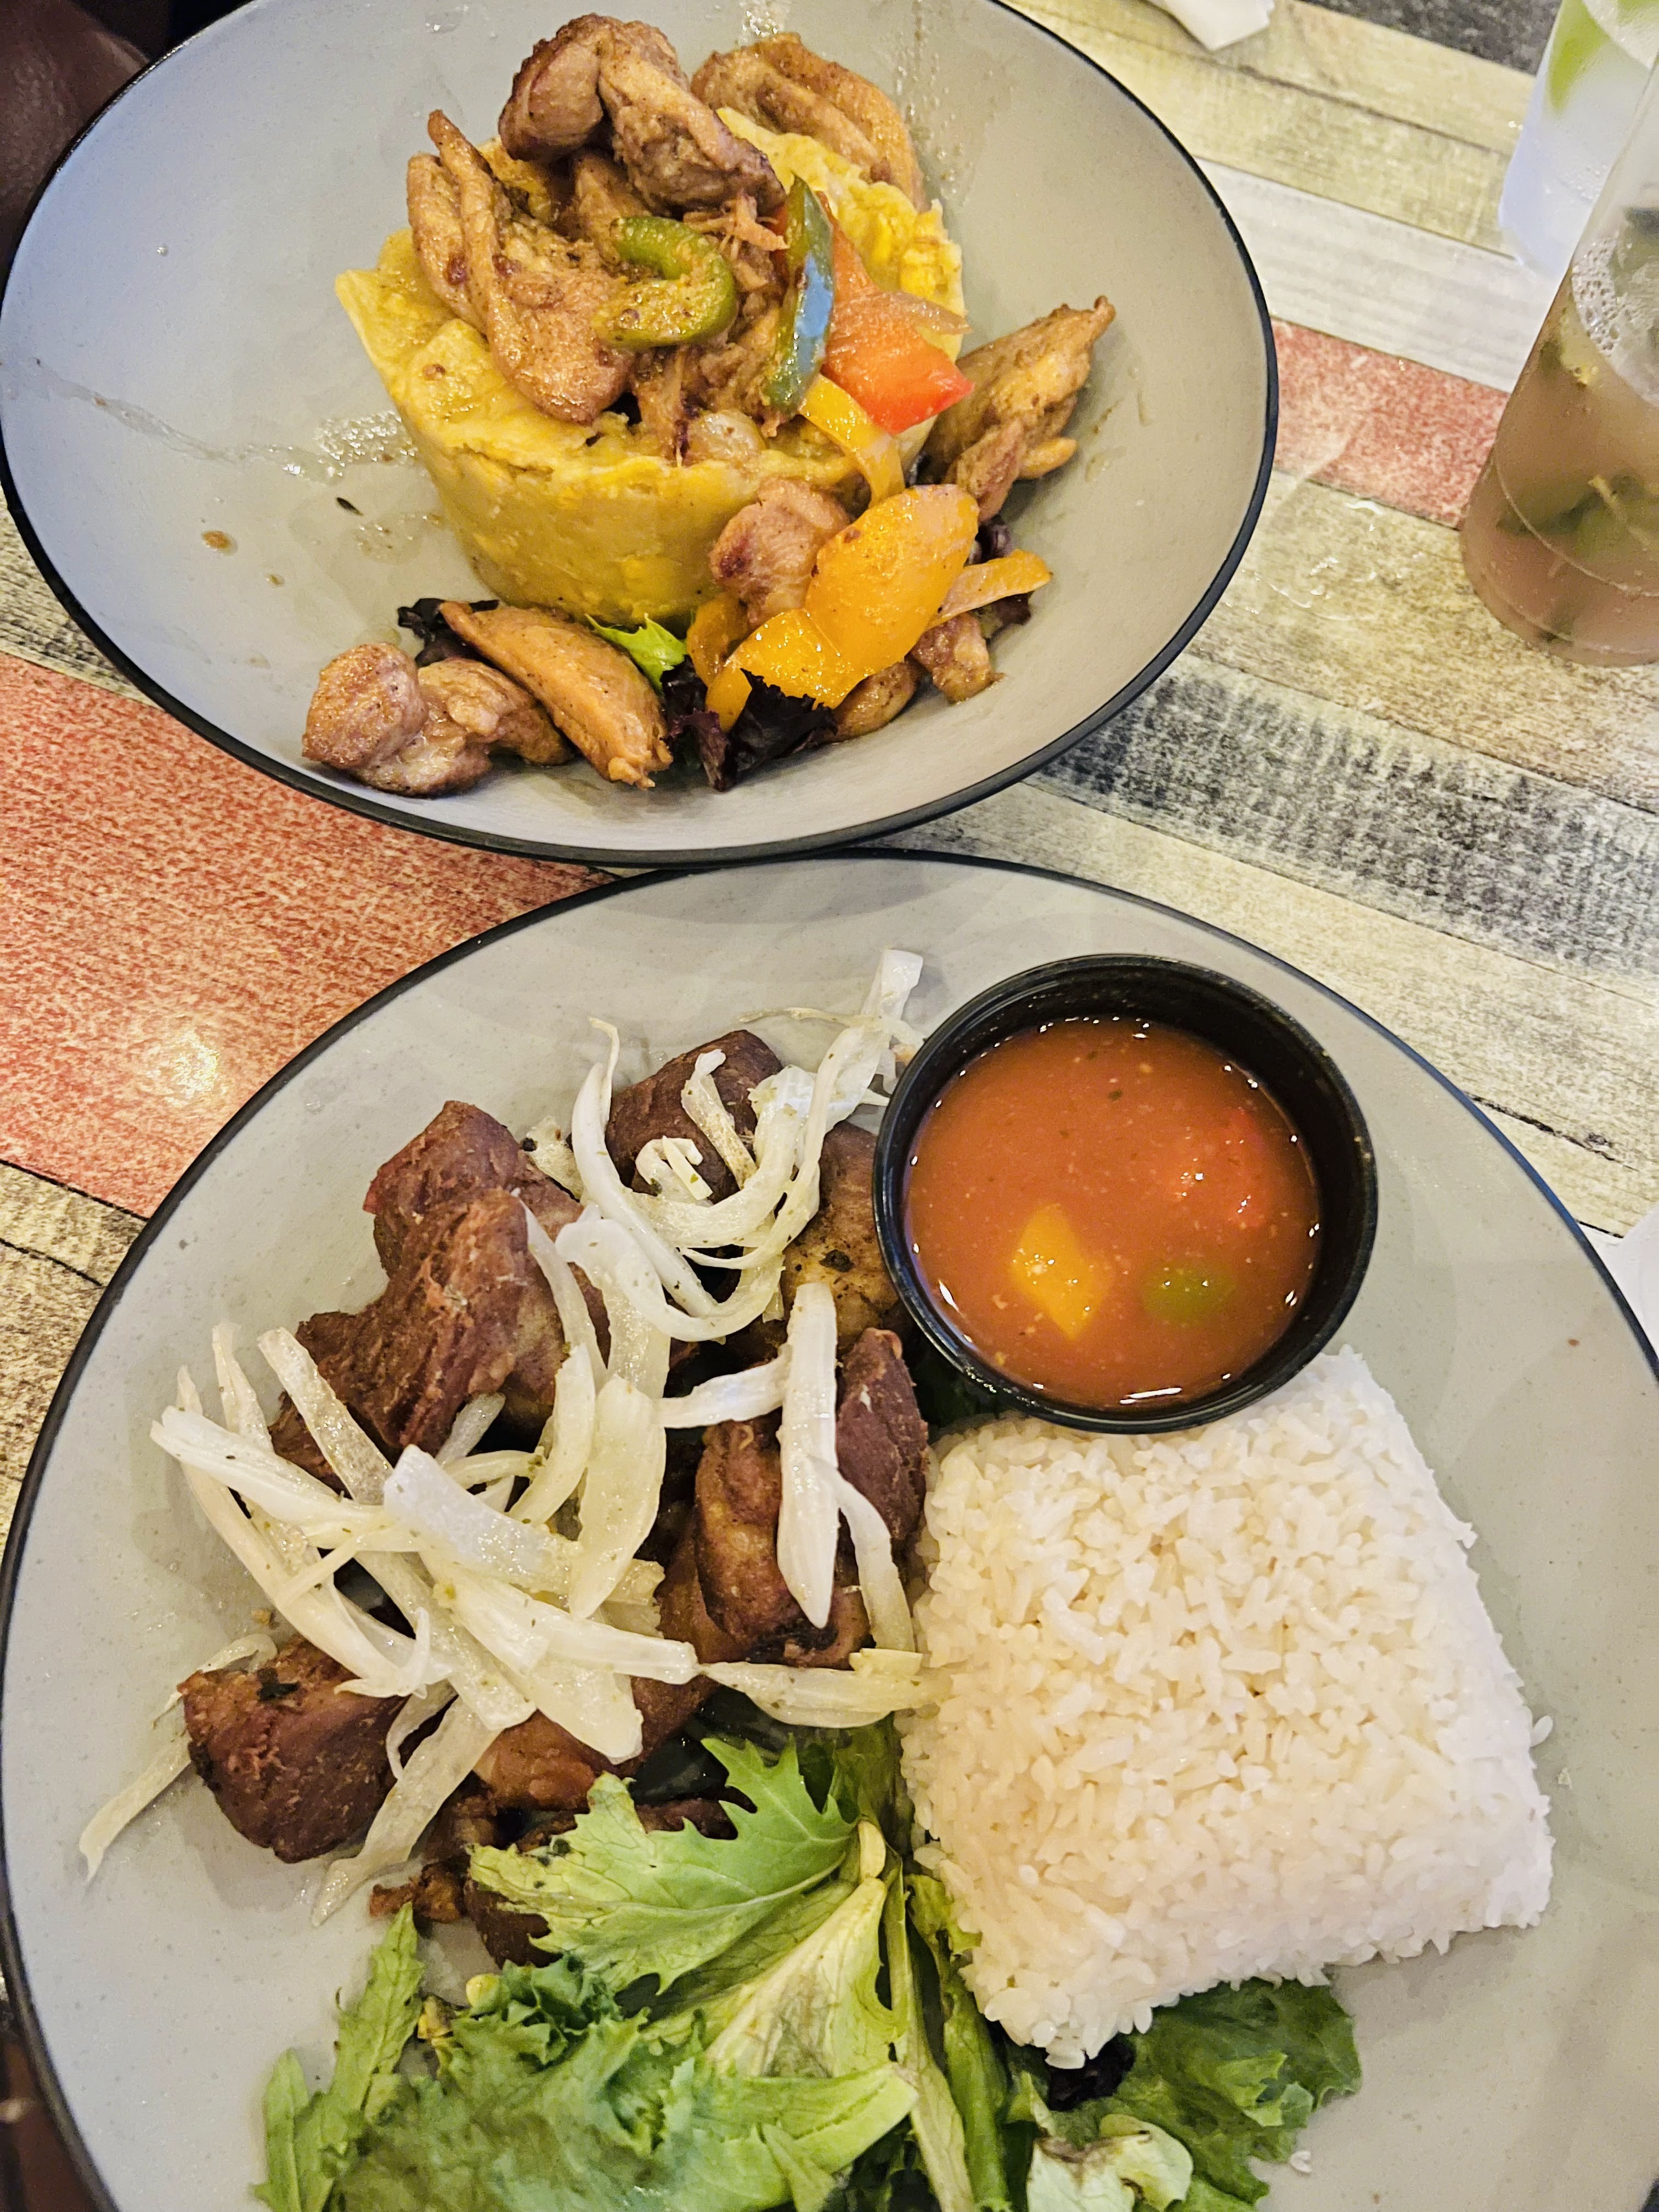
(1113,1212)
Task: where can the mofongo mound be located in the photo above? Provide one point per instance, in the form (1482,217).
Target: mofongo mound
(1215,1704)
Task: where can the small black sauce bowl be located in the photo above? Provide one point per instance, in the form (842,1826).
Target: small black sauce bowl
(1253,1033)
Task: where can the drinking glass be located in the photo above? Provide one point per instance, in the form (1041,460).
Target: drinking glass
(1593,74)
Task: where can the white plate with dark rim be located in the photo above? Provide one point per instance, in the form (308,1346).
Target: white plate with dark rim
(171,350)
(1505,2077)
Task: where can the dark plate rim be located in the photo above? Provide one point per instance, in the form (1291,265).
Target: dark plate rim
(17,1982)
(356,800)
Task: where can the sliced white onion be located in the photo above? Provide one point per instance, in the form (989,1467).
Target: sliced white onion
(560,1458)
(478,1676)
(609,1257)
(669,1165)
(641,1616)
(782,1104)
(237,1396)
(435,1770)
(358,1462)
(574,1318)
(107,1822)
(425,1705)
(821,1697)
(320,1567)
(409,1679)
(878,1578)
(593,1704)
(809,1522)
(286,1492)
(605,1189)
(701,1097)
(743,1396)
(429,1500)
(470,1427)
(524,1632)
(488,1470)
(553,1156)
(621,1491)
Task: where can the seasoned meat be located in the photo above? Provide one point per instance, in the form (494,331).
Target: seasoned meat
(438,1891)
(784,85)
(462,1152)
(297,1764)
(838,1245)
(871,705)
(727,375)
(376,716)
(538,295)
(764,555)
(652,1108)
(676,151)
(740,1487)
(956,656)
(881,1439)
(660,389)
(595,694)
(467,1312)
(600,199)
(537,1766)
(435,220)
(1025,387)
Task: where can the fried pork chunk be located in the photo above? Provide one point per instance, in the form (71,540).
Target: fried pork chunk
(955,655)
(838,1246)
(466,1310)
(377,717)
(871,705)
(785,86)
(596,694)
(1025,387)
(297,1764)
(651,1108)
(764,555)
(676,151)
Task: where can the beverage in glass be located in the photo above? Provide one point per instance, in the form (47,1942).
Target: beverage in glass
(1561,538)
(1593,74)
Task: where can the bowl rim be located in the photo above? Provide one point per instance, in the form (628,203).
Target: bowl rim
(357,799)
(937,1062)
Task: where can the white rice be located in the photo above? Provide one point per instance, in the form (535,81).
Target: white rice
(1217,1705)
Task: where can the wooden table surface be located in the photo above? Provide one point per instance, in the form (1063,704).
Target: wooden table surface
(1352,766)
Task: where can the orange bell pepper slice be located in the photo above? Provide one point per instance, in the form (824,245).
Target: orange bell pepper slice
(845,423)
(876,354)
(1005,578)
(879,583)
(791,652)
(716,627)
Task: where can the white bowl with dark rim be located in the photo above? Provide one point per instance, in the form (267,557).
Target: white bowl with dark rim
(172,357)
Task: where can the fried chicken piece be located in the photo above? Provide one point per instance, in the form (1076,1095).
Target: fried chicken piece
(838,1245)
(539,293)
(1025,387)
(435,220)
(297,1764)
(955,655)
(675,150)
(659,388)
(595,694)
(600,199)
(727,375)
(871,705)
(881,1439)
(377,717)
(764,555)
(783,84)
(651,1109)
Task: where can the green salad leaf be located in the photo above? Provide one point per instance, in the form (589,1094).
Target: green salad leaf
(997,2148)
(652,649)
(629,1903)
(311,2140)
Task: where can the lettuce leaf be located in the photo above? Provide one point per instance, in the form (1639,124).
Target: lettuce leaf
(978,2082)
(652,649)
(628,2115)
(936,2123)
(311,2140)
(629,1904)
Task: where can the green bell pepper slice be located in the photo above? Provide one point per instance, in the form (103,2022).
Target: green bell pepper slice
(805,329)
(691,293)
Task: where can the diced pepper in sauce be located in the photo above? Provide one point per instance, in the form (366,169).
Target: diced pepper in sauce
(1052,1270)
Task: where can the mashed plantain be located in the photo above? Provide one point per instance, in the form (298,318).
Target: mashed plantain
(591,519)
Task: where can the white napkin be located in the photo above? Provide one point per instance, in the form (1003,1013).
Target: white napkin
(1633,1263)
(1218,22)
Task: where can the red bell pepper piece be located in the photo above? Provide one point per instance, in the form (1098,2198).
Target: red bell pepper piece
(876,353)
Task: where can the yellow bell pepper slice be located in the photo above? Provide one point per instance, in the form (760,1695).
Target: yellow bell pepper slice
(879,583)
(716,627)
(793,655)
(1006,578)
(845,423)
(1051,1268)
(727,695)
